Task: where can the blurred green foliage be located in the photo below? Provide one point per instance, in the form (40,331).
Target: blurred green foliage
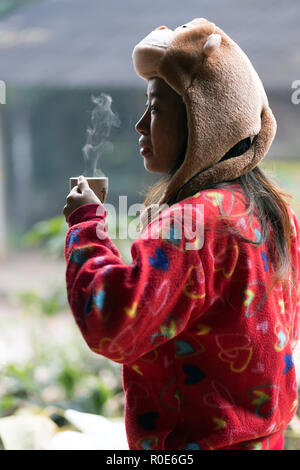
(49,233)
(53,377)
(60,371)
(49,304)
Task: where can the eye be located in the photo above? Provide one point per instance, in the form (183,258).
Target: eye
(153,108)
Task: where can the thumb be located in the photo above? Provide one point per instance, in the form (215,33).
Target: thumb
(82,183)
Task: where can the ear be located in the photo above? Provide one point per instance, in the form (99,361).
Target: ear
(212,43)
(161,27)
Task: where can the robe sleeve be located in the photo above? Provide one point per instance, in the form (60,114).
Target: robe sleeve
(126,310)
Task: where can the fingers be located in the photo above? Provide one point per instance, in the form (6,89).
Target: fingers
(65,211)
(79,189)
(73,194)
(82,183)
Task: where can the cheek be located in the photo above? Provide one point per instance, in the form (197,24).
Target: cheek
(164,135)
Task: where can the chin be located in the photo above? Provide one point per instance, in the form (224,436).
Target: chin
(153,169)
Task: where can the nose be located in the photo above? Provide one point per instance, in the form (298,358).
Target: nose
(142,126)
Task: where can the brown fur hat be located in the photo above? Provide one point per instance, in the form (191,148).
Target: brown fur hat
(224,97)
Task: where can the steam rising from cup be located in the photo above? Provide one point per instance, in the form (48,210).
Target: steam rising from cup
(97,143)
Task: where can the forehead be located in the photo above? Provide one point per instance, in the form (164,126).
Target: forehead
(158,88)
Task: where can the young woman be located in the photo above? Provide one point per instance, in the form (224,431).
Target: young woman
(204,322)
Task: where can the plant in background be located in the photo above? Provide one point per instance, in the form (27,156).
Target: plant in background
(50,234)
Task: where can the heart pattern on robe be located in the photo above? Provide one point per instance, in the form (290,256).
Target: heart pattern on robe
(194,287)
(265,399)
(147,443)
(219,397)
(236,350)
(147,420)
(160,260)
(193,374)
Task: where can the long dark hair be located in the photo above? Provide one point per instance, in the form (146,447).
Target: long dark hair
(263,196)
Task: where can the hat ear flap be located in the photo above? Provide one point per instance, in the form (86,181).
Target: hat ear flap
(263,140)
(211,44)
(232,168)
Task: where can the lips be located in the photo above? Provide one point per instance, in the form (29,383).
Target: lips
(145,151)
(146,148)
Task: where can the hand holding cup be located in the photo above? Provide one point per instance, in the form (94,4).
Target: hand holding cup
(82,193)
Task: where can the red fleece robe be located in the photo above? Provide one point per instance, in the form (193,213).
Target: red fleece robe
(205,341)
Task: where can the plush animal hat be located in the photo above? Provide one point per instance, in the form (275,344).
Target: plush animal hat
(224,97)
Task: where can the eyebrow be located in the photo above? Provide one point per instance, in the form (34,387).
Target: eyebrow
(154,94)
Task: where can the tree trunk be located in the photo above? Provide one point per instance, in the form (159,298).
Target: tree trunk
(22,160)
(3,246)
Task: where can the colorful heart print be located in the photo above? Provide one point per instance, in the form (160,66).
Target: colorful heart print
(265,399)
(148,420)
(265,260)
(192,446)
(237,358)
(150,357)
(73,236)
(254,297)
(88,305)
(257,235)
(183,348)
(282,335)
(193,374)
(235,349)
(220,397)
(225,201)
(263,326)
(160,260)
(99,302)
(99,299)
(194,287)
(289,363)
(147,443)
(254,445)
(226,260)
(158,299)
(116,351)
(168,396)
(216,198)
(189,346)
(131,311)
(82,254)
(113,348)
(168,329)
(219,424)
(202,329)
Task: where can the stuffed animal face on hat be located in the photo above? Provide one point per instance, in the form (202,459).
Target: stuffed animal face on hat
(224,97)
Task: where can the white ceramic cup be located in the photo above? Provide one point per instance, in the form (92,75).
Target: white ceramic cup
(98,184)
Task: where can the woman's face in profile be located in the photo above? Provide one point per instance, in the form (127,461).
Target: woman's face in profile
(163,127)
